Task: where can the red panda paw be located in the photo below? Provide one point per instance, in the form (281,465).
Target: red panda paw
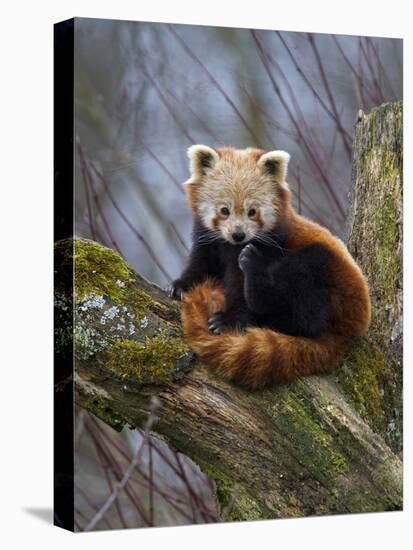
(176,289)
(248,257)
(220,321)
(229,320)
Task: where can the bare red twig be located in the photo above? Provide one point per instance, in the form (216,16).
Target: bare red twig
(270,119)
(214,82)
(359,77)
(105,467)
(377,89)
(163,99)
(217,139)
(138,235)
(171,498)
(91,219)
(126,476)
(155,157)
(344,135)
(91,505)
(129,491)
(299,67)
(180,239)
(265,58)
(178,471)
(161,164)
(89,184)
(312,210)
(381,68)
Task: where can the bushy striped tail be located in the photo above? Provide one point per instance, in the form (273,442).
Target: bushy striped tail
(258,357)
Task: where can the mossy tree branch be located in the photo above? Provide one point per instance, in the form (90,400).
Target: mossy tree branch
(288,451)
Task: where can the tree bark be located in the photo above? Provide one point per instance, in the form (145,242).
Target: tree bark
(372,377)
(293,450)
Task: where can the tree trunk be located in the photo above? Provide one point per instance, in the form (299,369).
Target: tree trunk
(293,450)
(372,377)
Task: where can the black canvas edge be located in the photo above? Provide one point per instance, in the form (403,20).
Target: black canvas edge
(63,412)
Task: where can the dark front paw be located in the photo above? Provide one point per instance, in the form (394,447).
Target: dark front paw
(176,289)
(218,322)
(250,256)
(224,320)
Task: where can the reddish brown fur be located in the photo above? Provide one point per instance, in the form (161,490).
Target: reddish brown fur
(229,156)
(261,357)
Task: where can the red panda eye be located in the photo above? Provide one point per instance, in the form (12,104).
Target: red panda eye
(225,211)
(251,212)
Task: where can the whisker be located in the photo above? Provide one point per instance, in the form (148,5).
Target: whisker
(203,233)
(208,238)
(264,238)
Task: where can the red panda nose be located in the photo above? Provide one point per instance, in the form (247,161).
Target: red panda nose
(238,236)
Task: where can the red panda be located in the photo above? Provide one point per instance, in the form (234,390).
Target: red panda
(267,295)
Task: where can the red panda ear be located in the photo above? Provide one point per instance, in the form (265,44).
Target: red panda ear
(275,163)
(202,158)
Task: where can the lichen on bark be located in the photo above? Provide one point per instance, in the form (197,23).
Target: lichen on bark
(117,323)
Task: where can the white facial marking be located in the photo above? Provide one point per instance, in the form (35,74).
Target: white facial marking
(240,182)
(207,213)
(212,218)
(268,216)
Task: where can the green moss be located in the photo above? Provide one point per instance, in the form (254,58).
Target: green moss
(246,509)
(377,118)
(382,162)
(366,501)
(101,406)
(339,462)
(99,270)
(154,361)
(371,375)
(223,486)
(298,419)
(112,315)
(234,502)
(141,302)
(364,376)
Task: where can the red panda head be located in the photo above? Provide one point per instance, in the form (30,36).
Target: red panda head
(238,193)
